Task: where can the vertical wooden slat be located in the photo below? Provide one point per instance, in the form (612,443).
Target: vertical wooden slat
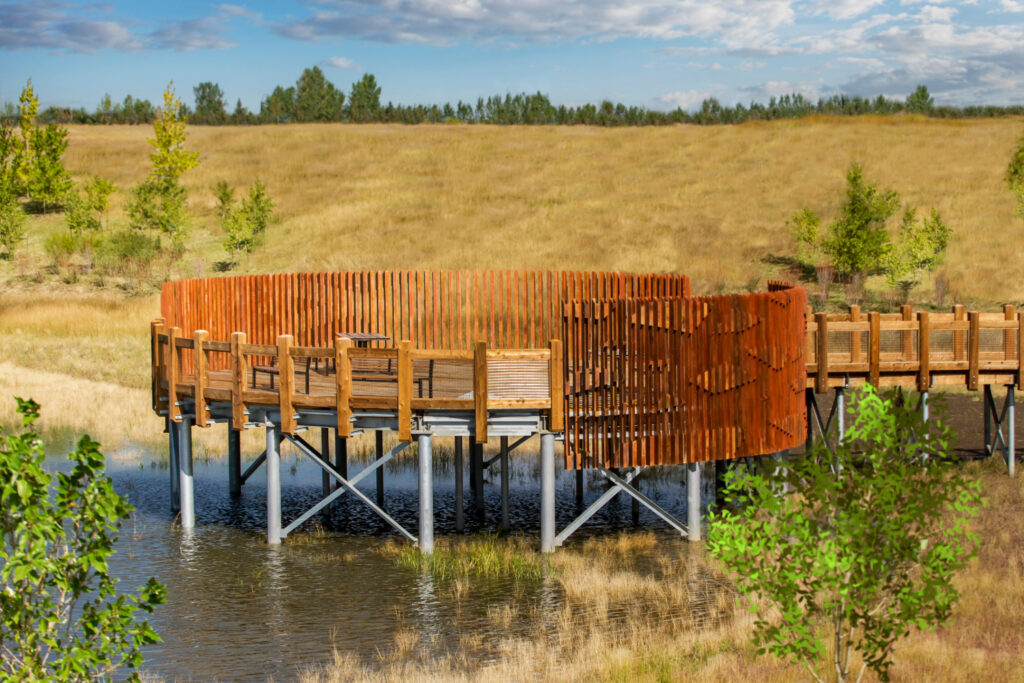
(855,336)
(1009,345)
(907,336)
(173,373)
(924,380)
(875,346)
(343,386)
(202,374)
(239,369)
(973,349)
(958,335)
(156,328)
(821,353)
(1020,350)
(480,390)
(404,391)
(286,385)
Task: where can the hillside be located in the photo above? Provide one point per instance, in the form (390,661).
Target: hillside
(709,201)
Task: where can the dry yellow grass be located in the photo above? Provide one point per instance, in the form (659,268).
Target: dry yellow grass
(712,202)
(630,608)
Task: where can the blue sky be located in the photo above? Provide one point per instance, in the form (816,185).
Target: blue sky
(654,53)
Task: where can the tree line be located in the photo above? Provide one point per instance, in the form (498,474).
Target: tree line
(314,98)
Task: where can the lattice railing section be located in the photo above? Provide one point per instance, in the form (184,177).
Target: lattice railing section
(675,380)
(914,349)
(433,309)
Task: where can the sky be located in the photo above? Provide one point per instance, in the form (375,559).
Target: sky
(657,54)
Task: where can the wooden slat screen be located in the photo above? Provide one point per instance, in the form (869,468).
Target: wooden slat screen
(670,380)
(432,309)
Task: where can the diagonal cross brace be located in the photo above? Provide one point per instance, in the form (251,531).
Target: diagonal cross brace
(824,425)
(514,445)
(1000,423)
(619,485)
(347,485)
(254,466)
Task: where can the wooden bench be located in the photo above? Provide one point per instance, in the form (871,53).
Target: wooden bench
(302,365)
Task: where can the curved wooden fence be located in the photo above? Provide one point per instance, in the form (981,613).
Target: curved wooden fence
(651,376)
(674,380)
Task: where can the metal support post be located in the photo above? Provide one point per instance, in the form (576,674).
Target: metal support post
(341,455)
(172,465)
(811,407)
(504,483)
(460,517)
(477,473)
(1011,446)
(693,501)
(924,406)
(840,414)
(986,398)
(325,452)
(547,492)
(426,536)
(634,509)
(188,511)
(379,436)
(234,462)
(579,489)
(273,485)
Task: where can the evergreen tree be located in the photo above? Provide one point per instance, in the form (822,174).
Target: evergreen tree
(209,100)
(316,98)
(364,102)
(920,101)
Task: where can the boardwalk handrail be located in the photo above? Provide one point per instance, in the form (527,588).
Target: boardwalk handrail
(920,350)
(402,379)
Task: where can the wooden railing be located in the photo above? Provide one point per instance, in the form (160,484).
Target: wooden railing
(348,379)
(914,349)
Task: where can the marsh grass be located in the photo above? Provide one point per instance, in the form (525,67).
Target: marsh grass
(486,556)
(637,607)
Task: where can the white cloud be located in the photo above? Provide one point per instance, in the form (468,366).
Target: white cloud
(339,62)
(933,14)
(684,99)
(734,22)
(768,89)
(845,9)
(1011,6)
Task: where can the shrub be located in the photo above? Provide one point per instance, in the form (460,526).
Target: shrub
(855,547)
(127,252)
(62,616)
(12,224)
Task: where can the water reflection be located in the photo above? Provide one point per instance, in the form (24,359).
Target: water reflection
(239,609)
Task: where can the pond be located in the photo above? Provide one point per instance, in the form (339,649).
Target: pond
(238,609)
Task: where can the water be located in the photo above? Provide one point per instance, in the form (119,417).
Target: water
(238,609)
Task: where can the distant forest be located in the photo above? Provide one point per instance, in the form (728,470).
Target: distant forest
(313,98)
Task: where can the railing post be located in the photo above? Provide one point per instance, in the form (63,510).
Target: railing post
(202,370)
(874,347)
(924,380)
(343,378)
(556,379)
(173,373)
(405,391)
(973,349)
(821,354)
(238,373)
(480,391)
(286,387)
(156,328)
